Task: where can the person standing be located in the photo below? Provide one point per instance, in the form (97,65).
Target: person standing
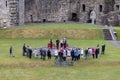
(64,54)
(93,53)
(44,55)
(51,42)
(57,43)
(30,52)
(76,54)
(49,54)
(103,49)
(61,43)
(72,54)
(41,53)
(60,54)
(82,52)
(64,43)
(86,53)
(56,54)
(11,51)
(24,50)
(97,51)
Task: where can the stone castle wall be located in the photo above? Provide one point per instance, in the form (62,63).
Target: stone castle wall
(4,14)
(60,10)
(19,12)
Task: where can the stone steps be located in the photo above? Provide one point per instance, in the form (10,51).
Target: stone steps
(107,34)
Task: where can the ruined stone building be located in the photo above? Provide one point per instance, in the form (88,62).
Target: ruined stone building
(19,12)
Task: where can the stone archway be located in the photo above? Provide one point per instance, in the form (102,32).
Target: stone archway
(74,17)
(89,20)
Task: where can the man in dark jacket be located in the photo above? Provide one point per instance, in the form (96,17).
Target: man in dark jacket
(72,54)
(24,50)
(86,53)
(49,54)
(44,55)
(51,42)
(103,49)
(30,52)
(57,43)
(97,52)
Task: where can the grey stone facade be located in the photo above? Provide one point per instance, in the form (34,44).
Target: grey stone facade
(19,12)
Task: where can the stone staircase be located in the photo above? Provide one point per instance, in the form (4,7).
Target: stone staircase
(107,34)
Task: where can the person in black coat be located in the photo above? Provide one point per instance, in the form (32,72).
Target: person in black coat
(97,51)
(72,54)
(103,49)
(11,51)
(44,55)
(57,43)
(51,42)
(49,54)
(41,53)
(86,53)
(27,51)
(24,50)
(64,43)
(30,52)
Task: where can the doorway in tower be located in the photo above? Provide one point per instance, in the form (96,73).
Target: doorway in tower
(74,17)
(89,20)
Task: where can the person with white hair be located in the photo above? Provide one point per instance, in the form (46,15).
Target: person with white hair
(82,52)
(56,54)
(35,53)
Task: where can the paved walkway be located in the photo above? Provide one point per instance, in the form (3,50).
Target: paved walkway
(113,42)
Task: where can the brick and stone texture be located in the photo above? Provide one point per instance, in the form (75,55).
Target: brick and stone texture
(19,12)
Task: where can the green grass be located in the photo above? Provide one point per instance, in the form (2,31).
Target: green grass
(118,33)
(22,68)
(45,31)
(60,26)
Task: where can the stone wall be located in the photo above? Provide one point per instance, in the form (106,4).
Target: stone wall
(13,12)
(60,10)
(4,13)
(18,12)
(21,12)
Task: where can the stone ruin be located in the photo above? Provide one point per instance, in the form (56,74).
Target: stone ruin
(19,12)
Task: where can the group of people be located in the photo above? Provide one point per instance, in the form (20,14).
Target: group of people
(59,43)
(77,53)
(27,51)
(74,54)
(61,52)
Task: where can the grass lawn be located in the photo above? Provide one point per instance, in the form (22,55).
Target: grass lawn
(117,29)
(22,68)
(47,31)
(60,26)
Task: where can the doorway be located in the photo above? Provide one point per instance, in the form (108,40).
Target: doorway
(74,17)
(89,20)
(31,18)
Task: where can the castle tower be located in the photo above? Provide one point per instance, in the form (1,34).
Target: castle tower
(21,11)
(13,12)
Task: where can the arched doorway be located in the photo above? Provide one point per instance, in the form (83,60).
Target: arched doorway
(74,17)
(89,20)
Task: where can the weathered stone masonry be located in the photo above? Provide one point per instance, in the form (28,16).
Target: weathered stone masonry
(19,12)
